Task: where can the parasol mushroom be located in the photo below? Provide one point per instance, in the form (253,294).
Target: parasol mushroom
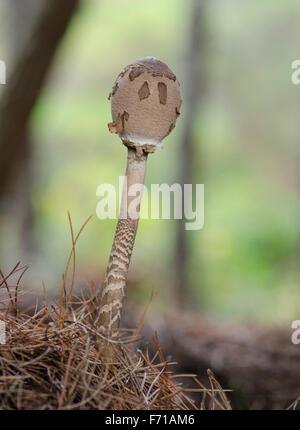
(145,103)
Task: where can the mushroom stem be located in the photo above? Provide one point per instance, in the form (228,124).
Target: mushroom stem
(116,274)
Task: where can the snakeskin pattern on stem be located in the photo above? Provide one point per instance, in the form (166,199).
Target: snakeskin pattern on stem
(116,276)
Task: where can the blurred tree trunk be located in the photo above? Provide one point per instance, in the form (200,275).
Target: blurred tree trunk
(195,82)
(38,28)
(23,15)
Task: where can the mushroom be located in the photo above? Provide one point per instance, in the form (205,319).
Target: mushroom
(145,103)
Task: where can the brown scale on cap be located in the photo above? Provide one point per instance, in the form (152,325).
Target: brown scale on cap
(149,93)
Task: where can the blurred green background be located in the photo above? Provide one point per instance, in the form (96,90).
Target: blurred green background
(243,265)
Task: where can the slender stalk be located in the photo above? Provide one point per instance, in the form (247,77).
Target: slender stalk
(116,274)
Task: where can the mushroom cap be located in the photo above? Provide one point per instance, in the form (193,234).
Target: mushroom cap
(145,103)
